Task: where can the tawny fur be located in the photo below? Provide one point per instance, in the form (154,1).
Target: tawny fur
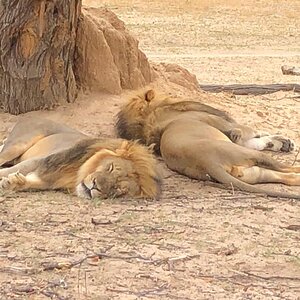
(202,142)
(59,157)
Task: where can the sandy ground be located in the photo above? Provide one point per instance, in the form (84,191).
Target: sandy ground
(198,242)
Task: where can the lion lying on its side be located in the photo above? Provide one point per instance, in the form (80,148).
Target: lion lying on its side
(204,143)
(41,154)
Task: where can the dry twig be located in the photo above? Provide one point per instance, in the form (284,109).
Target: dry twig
(273,277)
(17,270)
(68,265)
(296,157)
(159,290)
(292,227)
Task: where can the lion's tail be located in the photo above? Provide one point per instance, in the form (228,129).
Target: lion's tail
(219,174)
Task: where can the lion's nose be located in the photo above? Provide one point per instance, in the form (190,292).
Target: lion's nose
(96,193)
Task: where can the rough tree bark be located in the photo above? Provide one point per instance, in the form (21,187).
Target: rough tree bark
(37,44)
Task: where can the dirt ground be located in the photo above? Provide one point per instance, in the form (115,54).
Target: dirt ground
(198,242)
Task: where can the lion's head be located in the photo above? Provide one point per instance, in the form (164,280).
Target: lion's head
(131,117)
(130,170)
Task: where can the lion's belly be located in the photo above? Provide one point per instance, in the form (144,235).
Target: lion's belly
(186,145)
(52,144)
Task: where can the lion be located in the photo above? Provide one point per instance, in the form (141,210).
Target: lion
(40,154)
(205,143)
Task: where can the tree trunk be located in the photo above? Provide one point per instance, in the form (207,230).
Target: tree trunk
(37,44)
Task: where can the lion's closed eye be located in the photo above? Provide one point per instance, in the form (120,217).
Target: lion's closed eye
(110,168)
(94,181)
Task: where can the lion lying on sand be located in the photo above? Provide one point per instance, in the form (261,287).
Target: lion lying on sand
(41,154)
(204,143)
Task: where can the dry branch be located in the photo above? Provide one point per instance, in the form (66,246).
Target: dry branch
(294,227)
(159,291)
(17,270)
(271,277)
(251,89)
(53,295)
(45,290)
(70,264)
(27,289)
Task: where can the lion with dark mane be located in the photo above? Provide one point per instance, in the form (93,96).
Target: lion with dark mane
(41,154)
(204,143)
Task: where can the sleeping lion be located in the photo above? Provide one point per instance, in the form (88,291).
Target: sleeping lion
(40,154)
(204,143)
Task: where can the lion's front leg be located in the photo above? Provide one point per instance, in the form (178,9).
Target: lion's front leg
(18,182)
(13,182)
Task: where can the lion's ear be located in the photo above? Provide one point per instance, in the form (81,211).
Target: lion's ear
(149,95)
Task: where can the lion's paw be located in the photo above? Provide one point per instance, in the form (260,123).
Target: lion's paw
(287,145)
(12,181)
(280,144)
(235,135)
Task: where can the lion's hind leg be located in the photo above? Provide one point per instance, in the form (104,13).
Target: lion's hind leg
(252,139)
(275,143)
(26,133)
(15,149)
(255,174)
(23,136)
